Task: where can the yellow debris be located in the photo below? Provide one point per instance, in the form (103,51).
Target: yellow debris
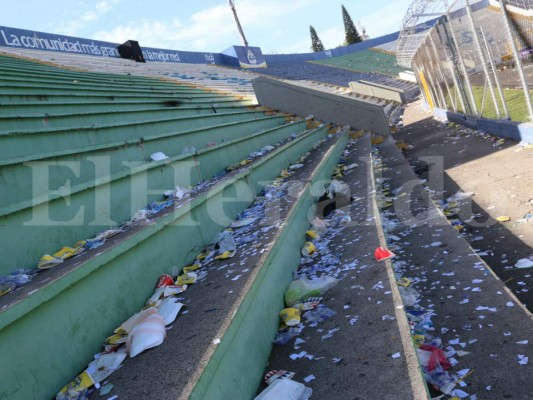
(377,140)
(357,134)
(503,218)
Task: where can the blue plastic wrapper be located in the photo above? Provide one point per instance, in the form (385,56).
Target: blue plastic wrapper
(286,335)
(320,314)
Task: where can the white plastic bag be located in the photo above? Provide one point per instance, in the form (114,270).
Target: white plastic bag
(339,187)
(169,309)
(158,156)
(285,389)
(149,332)
(320,226)
(226,243)
(409,296)
(303,288)
(104,364)
(145,330)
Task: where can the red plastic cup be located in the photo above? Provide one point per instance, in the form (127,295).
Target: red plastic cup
(164,280)
(382,253)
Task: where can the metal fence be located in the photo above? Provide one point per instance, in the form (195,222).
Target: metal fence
(477,58)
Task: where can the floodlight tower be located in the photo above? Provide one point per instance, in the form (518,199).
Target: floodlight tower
(239,27)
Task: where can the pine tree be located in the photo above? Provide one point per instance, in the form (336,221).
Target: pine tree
(316,43)
(352,36)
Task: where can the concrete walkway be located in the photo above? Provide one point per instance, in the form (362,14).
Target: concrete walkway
(364,351)
(499,175)
(481,325)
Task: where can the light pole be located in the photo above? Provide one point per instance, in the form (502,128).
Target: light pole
(239,27)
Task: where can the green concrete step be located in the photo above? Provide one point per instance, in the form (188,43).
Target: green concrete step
(58,108)
(13,67)
(24,146)
(42,94)
(63,316)
(15,73)
(67,88)
(21,104)
(235,367)
(56,218)
(37,79)
(10,123)
(23,182)
(242,313)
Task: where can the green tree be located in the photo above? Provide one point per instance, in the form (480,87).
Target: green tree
(316,43)
(352,36)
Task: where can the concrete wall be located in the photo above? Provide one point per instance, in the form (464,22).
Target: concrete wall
(505,129)
(328,107)
(376,90)
(28,39)
(277,59)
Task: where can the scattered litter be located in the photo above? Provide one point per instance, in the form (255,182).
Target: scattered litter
(503,218)
(304,287)
(285,389)
(524,263)
(159,156)
(106,389)
(382,253)
(290,316)
(271,376)
(482,308)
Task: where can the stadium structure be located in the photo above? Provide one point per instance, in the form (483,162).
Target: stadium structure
(192,225)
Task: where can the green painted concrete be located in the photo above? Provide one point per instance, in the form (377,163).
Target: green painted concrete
(52,334)
(235,369)
(27,146)
(106,90)
(86,90)
(13,73)
(48,222)
(39,110)
(13,68)
(82,168)
(9,123)
(17,105)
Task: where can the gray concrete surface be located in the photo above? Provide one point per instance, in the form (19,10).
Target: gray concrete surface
(300,100)
(376,90)
(500,177)
(365,345)
(454,282)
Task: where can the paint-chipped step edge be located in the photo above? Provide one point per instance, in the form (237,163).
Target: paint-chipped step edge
(197,389)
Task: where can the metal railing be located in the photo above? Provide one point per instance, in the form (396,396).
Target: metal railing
(476,58)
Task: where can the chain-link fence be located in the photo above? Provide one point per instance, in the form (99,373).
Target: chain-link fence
(477,58)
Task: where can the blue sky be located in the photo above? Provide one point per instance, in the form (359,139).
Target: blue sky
(277,26)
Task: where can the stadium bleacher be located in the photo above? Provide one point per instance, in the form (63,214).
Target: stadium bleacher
(135,171)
